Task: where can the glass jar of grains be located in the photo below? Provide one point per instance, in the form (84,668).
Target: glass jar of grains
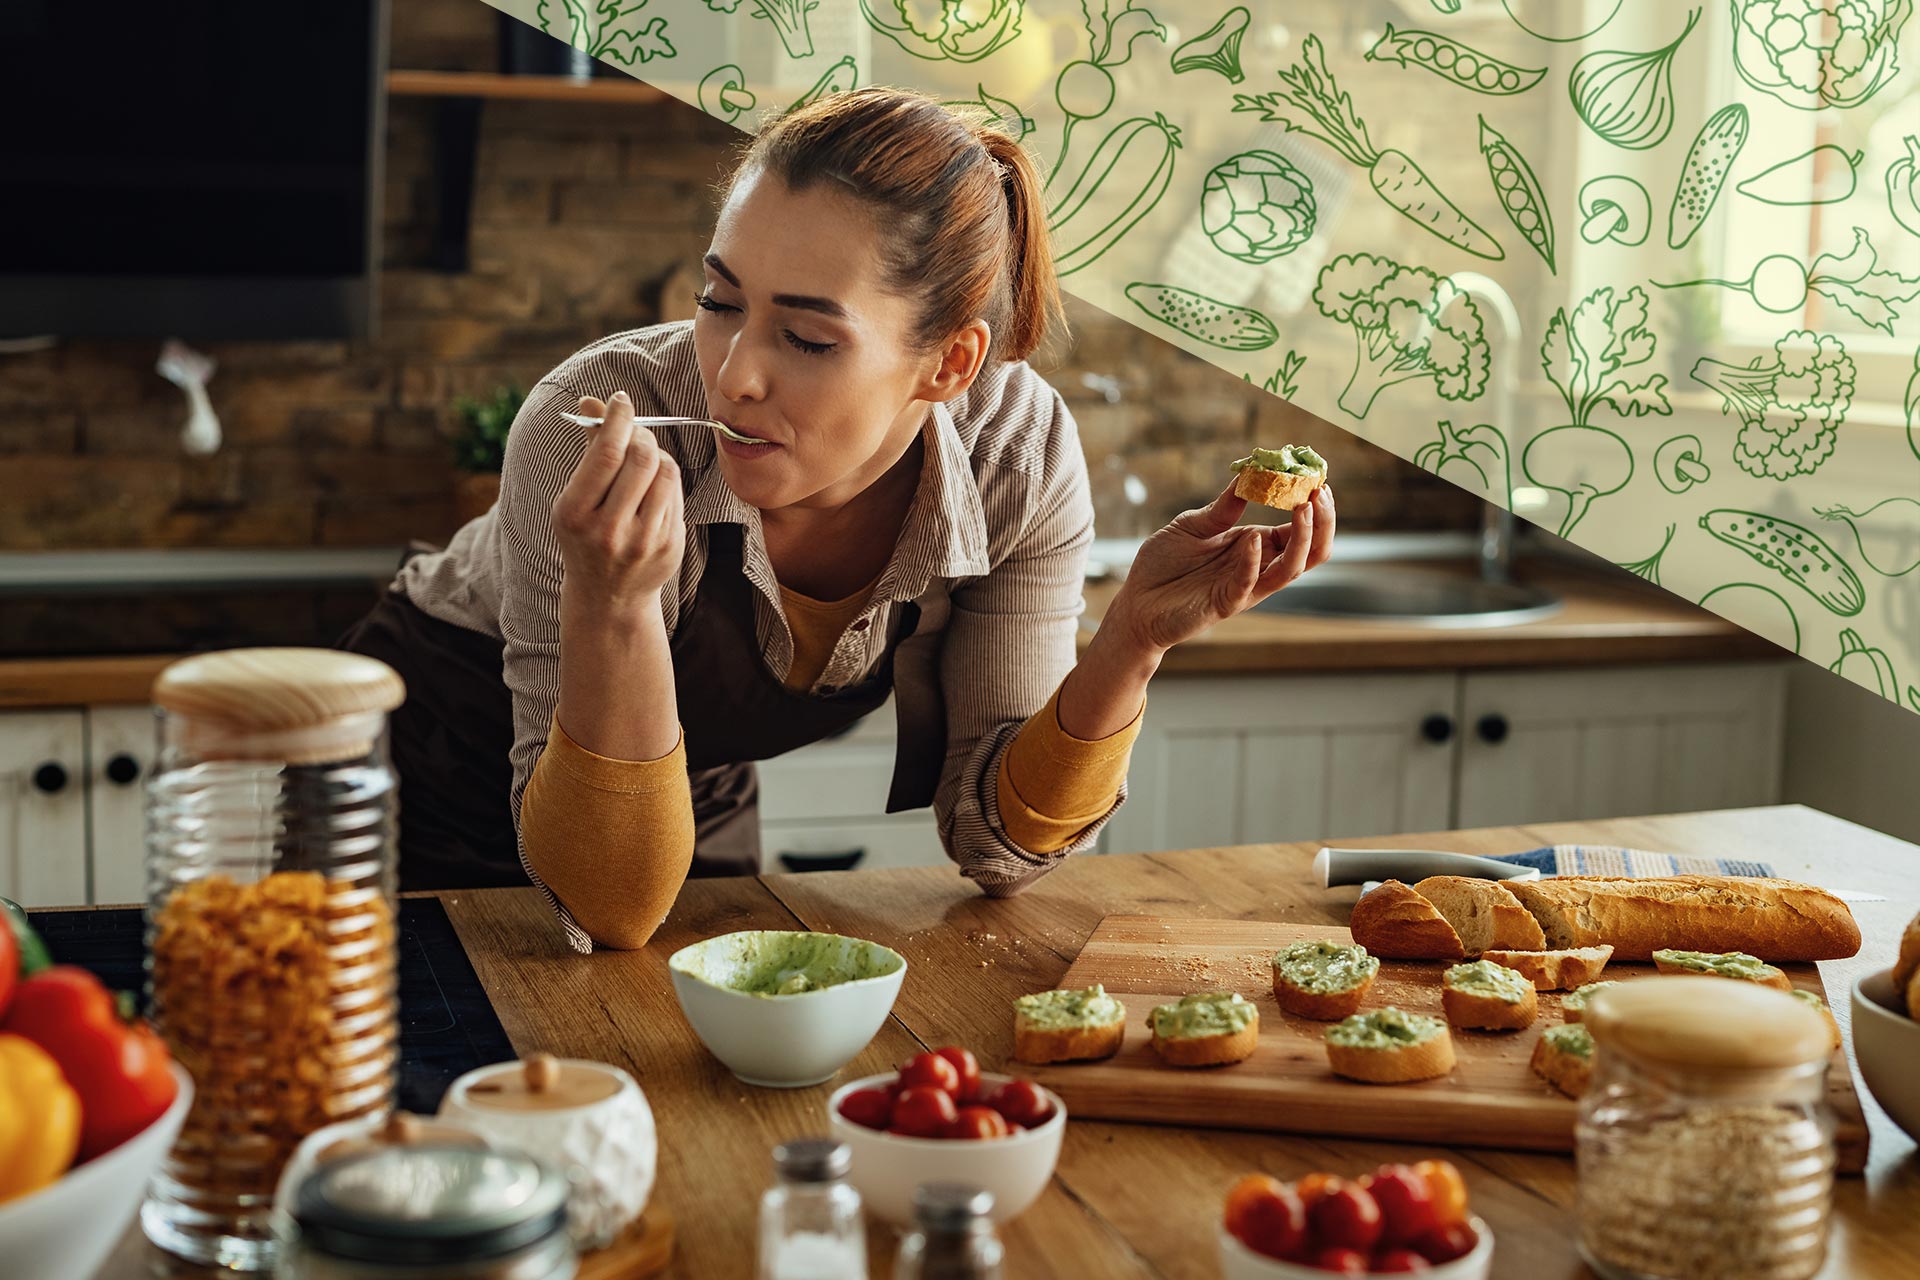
(1705,1145)
(270,926)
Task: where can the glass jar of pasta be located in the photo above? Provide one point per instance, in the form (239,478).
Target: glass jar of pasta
(270,926)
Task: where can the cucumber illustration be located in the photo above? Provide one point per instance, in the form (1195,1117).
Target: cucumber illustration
(1216,323)
(1793,551)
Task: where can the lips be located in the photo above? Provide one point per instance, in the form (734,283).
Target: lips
(739,430)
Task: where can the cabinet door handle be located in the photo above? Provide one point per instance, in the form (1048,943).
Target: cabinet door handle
(846,860)
(1437,728)
(122,769)
(50,778)
(1492,728)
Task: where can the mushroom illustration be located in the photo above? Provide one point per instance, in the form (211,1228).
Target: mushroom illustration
(724,93)
(1615,208)
(1679,465)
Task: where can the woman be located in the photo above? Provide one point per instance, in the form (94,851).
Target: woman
(594,665)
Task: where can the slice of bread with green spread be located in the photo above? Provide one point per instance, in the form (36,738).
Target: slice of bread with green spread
(1325,981)
(1574,1005)
(1389,1046)
(1068,1026)
(1207,1029)
(1488,996)
(1563,1057)
(1737,965)
(1280,478)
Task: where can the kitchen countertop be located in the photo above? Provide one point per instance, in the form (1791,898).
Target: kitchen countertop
(1126,1200)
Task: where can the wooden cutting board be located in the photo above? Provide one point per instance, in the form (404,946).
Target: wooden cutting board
(1491,1099)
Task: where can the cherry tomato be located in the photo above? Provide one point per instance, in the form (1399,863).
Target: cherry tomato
(1345,1214)
(1405,1200)
(973,1123)
(921,1112)
(869,1108)
(1341,1261)
(1449,1190)
(1399,1260)
(1313,1186)
(1455,1240)
(1021,1102)
(930,1071)
(1266,1215)
(968,1068)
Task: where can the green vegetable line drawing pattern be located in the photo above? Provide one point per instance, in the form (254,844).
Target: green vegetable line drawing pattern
(1627,98)
(1913,697)
(1787,185)
(1407,323)
(1855,655)
(998,113)
(723,93)
(946,30)
(1615,208)
(1912,406)
(1743,611)
(1791,409)
(1900,526)
(1818,53)
(1704,172)
(789,19)
(1216,49)
(1447,6)
(1903,187)
(606,29)
(1680,463)
(1284,381)
(1453,62)
(1136,160)
(1575,39)
(840,77)
(1084,89)
(1311,95)
(1853,283)
(1587,356)
(1794,552)
(1521,198)
(1216,323)
(1476,458)
(1256,206)
(1650,567)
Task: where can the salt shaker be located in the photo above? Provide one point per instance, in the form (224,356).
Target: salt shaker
(810,1220)
(953,1236)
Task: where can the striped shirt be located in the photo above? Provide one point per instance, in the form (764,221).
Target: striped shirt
(992,552)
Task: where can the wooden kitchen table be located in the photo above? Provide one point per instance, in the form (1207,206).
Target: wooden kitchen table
(1127,1200)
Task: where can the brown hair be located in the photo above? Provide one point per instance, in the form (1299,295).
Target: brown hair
(960,201)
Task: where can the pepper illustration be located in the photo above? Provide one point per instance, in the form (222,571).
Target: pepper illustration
(1867,667)
(1903,187)
(1475,458)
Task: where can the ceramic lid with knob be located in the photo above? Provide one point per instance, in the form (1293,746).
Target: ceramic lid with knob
(303,705)
(1709,1024)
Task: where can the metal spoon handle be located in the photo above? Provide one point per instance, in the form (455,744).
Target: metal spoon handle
(581,419)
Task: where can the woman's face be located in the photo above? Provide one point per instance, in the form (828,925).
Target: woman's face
(802,345)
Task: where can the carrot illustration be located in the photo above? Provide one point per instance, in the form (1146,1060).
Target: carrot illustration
(1311,103)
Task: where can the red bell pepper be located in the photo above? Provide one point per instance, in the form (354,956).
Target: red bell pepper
(9,966)
(117,1066)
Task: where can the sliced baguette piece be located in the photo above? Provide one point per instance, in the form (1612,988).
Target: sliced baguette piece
(1737,965)
(1574,1007)
(1182,1046)
(1068,1026)
(1773,919)
(1280,490)
(1563,1057)
(1395,922)
(1555,970)
(1488,997)
(1484,913)
(1325,981)
(1388,1046)
(1820,1005)
(1909,962)
(1913,996)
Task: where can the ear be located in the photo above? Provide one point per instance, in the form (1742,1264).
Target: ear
(964,355)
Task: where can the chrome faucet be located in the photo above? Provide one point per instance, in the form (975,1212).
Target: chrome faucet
(1496,525)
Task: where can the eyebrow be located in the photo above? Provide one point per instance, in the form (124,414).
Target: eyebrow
(799,301)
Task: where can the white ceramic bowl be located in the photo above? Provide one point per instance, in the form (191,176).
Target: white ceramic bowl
(1237,1262)
(1886,1043)
(66,1230)
(783,1042)
(887,1167)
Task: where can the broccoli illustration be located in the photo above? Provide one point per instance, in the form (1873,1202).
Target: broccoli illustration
(1818,53)
(1806,390)
(1408,323)
(789,18)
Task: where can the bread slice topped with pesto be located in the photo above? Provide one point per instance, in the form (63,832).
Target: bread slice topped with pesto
(1068,1026)
(1389,1046)
(1207,1029)
(1325,980)
(1573,1007)
(1488,997)
(1563,1057)
(1722,964)
(1280,478)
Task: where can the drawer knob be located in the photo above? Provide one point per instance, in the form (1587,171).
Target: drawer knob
(845,860)
(50,778)
(1492,728)
(1437,728)
(122,769)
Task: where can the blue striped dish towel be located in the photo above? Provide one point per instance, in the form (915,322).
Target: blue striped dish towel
(1613,860)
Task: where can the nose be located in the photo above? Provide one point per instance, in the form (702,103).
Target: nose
(742,376)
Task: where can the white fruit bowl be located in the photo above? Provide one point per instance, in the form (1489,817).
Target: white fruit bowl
(1237,1262)
(887,1167)
(66,1230)
(1886,1043)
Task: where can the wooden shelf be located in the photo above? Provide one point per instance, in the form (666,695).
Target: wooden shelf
(486,84)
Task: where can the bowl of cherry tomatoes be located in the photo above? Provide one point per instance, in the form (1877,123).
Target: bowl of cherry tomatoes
(1398,1220)
(940,1119)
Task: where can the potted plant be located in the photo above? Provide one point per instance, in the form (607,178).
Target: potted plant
(479,448)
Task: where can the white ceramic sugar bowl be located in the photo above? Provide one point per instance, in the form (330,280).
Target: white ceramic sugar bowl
(586,1119)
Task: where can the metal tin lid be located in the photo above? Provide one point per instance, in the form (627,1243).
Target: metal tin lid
(813,1160)
(951,1208)
(1709,1023)
(429,1204)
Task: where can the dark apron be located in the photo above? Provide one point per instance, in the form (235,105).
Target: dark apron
(451,738)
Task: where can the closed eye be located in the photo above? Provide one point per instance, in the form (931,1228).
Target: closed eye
(706,302)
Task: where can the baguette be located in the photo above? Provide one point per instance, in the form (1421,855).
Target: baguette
(1068,1026)
(1484,913)
(1555,970)
(1324,981)
(1489,997)
(1833,1027)
(1909,962)
(1563,1057)
(1387,1046)
(1396,922)
(1773,919)
(1736,965)
(1211,1029)
(1281,491)
(1574,1007)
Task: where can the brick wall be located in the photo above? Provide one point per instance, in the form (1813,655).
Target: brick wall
(580,213)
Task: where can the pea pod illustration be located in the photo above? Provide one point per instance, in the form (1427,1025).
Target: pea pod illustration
(1211,321)
(1794,552)
(1453,62)
(1520,194)
(1136,161)
(1705,172)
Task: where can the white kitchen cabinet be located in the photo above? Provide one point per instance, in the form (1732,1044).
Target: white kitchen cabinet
(824,806)
(43,807)
(120,748)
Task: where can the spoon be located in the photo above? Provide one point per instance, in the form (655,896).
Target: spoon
(581,419)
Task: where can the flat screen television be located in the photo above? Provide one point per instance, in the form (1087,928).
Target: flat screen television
(193,168)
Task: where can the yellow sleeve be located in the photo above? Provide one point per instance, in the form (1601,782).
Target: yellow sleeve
(1053,785)
(612,838)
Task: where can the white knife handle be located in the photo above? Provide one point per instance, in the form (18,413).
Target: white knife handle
(1359,866)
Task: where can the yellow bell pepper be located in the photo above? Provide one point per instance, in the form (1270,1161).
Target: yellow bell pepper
(39,1118)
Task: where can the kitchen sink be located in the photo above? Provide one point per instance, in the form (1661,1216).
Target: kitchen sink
(1406,596)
